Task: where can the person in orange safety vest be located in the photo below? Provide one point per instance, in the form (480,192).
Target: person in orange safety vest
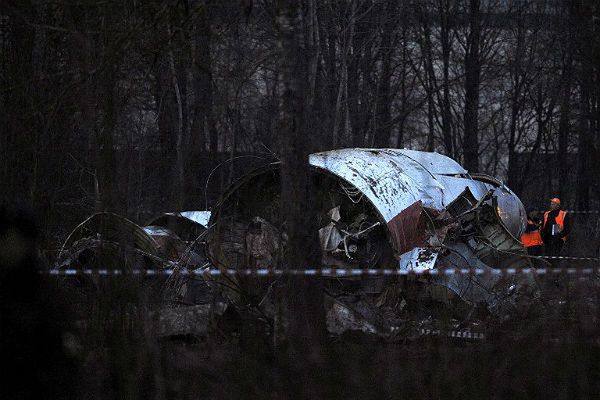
(532,238)
(556,227)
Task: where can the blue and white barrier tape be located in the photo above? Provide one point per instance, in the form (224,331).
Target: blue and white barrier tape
(574,211)
(327,272)
(569,258)
(453,334)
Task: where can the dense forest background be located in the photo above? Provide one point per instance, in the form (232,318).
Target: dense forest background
(146,107)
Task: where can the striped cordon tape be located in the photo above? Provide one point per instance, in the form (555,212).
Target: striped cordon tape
(327,272)
(453,334)
(574,211)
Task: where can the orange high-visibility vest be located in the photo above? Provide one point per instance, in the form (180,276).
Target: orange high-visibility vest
(560,220)
(533,238)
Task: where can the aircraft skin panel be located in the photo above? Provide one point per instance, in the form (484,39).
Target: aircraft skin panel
(434,162)
(454,186)
(394,179)
(390,188)
(200,217)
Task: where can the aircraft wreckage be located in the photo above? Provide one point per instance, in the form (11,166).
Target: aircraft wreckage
(382,208)
(376,208)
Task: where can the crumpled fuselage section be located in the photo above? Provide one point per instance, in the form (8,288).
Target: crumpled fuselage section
(436,214)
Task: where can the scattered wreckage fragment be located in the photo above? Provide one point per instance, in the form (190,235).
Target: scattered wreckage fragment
(170,241)
(106,240)
(165,240)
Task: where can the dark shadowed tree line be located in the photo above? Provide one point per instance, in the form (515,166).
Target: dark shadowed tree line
(130,106)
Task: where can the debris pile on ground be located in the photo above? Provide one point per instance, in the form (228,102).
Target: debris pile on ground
(375,209)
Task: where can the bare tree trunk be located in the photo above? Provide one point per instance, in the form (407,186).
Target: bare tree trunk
(383,126)
(327,25)
(429,79)
(472,76)
(204,126)
(585,153)
(106,160)
(302,299)
(16,139)
(446,44)
(585,146)
(179,143)
(541,119)
(313,50)
(403,87)
(515,109)
(342,93)
(564,129)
